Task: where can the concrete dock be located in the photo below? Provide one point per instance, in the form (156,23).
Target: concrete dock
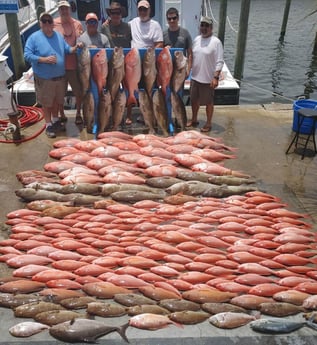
(262,134)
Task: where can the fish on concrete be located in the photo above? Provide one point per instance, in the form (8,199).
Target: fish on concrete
(162,181)
(230,180)
(84,69)
(225,190)
(133,196)
(116,71)
(215,308)
(150,321)
(31,309)
(147,308)
(132,299)
(146,108)
(82,187)
(149,70)
(189,175)
(104,309)
(174,305)
(59,211)
(31,194)
(229,320)
(27,329)
(118,108)
(179,110)
(189,317)
(275,326)
(160,111)
(133,70)
(80,330)
(189,188)
(280,309)
(179,199)
(54,317)
(99,69)
(9,300)
(76,302)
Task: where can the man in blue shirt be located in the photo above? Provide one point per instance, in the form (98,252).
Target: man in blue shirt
(45,50)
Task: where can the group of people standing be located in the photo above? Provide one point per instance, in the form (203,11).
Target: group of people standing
(51,52)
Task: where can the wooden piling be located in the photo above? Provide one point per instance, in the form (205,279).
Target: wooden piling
(222,21)
(242,39)
(15,44)
(285,19)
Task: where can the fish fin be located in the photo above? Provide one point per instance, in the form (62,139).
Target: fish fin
(310,322)
(177,324)
(90,316)
(72,321)
(122,329)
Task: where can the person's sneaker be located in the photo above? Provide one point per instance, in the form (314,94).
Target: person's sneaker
(59,126)
(79,120)
(50,132)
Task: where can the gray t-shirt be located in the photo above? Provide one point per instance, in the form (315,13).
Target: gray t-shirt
(178,39)
(118,35)
(99,40)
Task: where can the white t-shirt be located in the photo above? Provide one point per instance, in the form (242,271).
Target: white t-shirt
(207,58)
(145,34)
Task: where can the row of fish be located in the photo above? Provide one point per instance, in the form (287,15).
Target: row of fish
(162,71)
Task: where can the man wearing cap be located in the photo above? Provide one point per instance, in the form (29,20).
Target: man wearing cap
(45,50)
(206,69)
(146,32)
(117,31)
(71,29)
(92,38)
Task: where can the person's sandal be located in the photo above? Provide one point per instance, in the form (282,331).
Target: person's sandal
(63,118)
(192,123)
(78,120)
(206,128)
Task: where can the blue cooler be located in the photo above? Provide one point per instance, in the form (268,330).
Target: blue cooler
(307,123)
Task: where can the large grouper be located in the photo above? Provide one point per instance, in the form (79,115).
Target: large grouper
(80,330)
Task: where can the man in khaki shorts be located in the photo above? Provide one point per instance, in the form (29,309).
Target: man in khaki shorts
(70,29)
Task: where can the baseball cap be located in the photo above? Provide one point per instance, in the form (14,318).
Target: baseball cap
(91,15)
(45,14)
(63,3)
(206,19)
(143,3)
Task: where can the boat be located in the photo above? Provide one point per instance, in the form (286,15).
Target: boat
(227,93)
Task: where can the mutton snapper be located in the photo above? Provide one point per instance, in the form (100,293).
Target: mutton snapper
(180,67)
(82,330)
(104,111)
(149,70)
(146,107)
(160,111)
(84,69)
(116,71)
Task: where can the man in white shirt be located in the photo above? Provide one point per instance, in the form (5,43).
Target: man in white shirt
(206,69)
(146,32)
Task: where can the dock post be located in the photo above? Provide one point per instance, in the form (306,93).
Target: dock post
(285,18)
(15,44)
(242,39)
(40,7)
(222,21)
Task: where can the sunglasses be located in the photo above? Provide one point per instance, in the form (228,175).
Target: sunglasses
(115,13)
(92,22)
(172,18)
(45,21)
(204,25)
(142,9)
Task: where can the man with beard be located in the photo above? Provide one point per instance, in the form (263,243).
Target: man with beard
(206,69)
(146,33)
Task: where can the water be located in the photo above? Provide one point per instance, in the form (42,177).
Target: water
(288,68)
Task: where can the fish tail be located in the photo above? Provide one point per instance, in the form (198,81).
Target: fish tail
(177,324)
(121,330)
(131,100)
(239,174)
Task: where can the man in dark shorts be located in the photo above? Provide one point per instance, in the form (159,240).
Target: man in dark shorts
(206,69)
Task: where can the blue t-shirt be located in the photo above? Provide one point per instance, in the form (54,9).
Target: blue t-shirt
(39,45)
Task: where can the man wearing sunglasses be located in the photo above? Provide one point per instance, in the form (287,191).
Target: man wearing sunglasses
(45,50)
(117,31)
(176,36)
(92,38)
(71,29)
(206,69)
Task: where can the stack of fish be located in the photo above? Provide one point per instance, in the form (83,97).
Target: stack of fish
(174,254)
(116,84)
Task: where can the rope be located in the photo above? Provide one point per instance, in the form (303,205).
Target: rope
(264,90)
